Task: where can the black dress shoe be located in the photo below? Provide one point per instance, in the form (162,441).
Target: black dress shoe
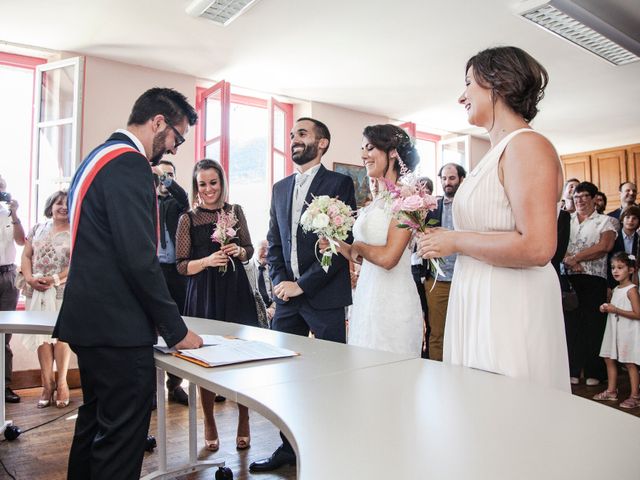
(10,396)
(275,461)
(178,395)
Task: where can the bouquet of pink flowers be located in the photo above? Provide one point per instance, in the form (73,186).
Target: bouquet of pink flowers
(224,232)
(410,204)
(329,218)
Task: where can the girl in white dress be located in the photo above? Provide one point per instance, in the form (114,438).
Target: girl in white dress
(621,342)
(386,313)
(505,312)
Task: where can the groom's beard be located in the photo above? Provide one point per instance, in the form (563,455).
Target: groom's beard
(309,153)
(157,149)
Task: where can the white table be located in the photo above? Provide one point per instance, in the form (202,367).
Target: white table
(20,322)
(444,422)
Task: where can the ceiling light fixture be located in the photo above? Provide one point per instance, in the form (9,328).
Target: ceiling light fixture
(222,12)
(579,26)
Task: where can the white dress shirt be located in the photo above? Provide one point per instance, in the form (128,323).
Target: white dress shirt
(303,182)
(7,244)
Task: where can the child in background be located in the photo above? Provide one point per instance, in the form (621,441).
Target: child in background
(621,341)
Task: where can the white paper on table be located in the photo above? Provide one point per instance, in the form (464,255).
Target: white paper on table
(237,351)
(206,340)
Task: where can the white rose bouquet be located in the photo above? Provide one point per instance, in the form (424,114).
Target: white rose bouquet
(329,218)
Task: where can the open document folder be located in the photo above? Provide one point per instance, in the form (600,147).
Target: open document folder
(220,350)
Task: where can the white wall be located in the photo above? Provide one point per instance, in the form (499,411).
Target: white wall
(346,128)
(111,88)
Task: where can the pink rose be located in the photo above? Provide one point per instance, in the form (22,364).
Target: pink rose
(230,232)
(333,211)
(412,203)
(430,202)
(338,220)
(407,191)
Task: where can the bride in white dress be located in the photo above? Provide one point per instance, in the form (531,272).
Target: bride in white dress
(386,313)
(505,312)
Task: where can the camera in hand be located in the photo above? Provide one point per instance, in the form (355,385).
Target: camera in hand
(5,197)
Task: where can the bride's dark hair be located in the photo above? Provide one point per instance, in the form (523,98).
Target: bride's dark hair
(388,137)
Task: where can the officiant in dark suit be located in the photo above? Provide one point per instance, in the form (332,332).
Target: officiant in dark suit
(116,300)
(308,299)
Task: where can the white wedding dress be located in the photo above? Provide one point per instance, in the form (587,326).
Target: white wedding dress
(386,313)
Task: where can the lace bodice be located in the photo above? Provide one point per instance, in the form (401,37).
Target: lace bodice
(193,237)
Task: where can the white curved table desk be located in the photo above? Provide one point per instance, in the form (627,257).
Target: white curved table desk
(446,422)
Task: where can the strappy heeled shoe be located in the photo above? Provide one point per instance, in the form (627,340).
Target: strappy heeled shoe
(62,402)
(46,400)
(212,445)
(242,443)
(243,436)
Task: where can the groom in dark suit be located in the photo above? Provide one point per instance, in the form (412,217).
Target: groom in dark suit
(116,300)
(307,298)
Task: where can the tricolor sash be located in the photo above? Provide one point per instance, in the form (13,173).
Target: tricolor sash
(85,175)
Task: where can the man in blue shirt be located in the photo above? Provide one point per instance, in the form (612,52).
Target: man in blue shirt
(451,176)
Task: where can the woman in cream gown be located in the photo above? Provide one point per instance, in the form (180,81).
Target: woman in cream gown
(505,313)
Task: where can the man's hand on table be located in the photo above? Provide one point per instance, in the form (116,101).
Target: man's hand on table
(191,340)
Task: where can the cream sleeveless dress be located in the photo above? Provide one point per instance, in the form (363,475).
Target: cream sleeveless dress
(503,320)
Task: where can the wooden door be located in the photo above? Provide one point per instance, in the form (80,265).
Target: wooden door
(633,163)
(577,166)
(609,170)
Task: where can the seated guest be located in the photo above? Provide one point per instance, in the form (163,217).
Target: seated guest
(628,194)
(627,239)
(45,264)
(601,202)
(591,239)
(217,285)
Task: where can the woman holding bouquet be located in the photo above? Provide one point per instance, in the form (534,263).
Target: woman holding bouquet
(218,287)
(505,312)
(386,313)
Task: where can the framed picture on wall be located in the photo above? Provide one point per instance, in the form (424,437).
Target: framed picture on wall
(360,180)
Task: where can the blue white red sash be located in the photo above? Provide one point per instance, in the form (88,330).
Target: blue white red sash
(85,175)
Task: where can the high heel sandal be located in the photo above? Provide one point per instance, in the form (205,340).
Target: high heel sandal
(45,402)
(64,402)
(212,445)
(242,443)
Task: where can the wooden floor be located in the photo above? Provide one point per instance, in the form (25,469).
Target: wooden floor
(42,453)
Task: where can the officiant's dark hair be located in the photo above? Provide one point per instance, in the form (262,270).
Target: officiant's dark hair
(388,137)
(167,102)
(208,164)
(513,75)
(320,130)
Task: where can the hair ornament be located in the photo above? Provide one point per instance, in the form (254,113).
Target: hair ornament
(404,170)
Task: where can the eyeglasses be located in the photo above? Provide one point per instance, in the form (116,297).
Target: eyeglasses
(581,196)
(179,138)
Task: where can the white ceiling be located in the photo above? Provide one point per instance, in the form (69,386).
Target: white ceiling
(403,58)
